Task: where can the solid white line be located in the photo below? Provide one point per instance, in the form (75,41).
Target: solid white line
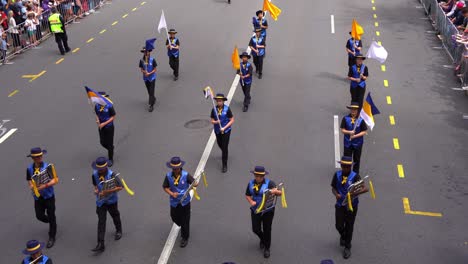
(337,141)
(8,134)
(171,239)
(332,18)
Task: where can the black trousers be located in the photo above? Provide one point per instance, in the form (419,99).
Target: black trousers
(180,215)
(150,85)
(62,42)
(246,90)
(174,63)
(354,152)
(45,212)
(351,61)
(258,61)
(102,219)
(223,143)
(106,137)
(344,223)
(357,95)
(261,226)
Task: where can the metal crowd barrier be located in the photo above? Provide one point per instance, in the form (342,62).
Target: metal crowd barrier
(448,32)
(21,39)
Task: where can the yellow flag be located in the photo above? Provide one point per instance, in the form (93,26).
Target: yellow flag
(274,10)
(235,59)
(356,30)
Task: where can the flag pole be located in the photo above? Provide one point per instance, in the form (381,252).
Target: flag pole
(214,109)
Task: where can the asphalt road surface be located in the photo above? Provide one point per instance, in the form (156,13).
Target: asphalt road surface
(288,129)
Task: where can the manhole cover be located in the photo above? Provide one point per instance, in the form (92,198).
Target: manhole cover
(197,123)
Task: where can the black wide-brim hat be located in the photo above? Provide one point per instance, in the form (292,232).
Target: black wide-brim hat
(259,170)
(37,152)
(143,50)
(360,57)
(244,54)
(220,96)
(100,163)
(175,163)
(172,31)
(33,246)
(346,161)
(353,105)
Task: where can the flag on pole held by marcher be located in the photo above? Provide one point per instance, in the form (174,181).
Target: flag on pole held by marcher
(235,59)
(272,9)
(97,98)
(377,52)
(162,22)
(208,93)
(368,111)
(356,30)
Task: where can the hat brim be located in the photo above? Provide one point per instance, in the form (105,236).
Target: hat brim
(248,56)
(172,32)
(360,57)
(27,252)
(220,98)
(96,167)
(345,163)
(172,166)
(38,154)
(143,50)
(262,173)
(352,106)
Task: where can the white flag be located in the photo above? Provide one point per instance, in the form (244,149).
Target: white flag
(162,22)
(377,52)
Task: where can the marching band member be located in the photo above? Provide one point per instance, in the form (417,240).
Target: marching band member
(176,184)
(44,205)
(173,52)
(105,116)
(358,74)
(106,201)
(353,48)
(354,129)
(148,66)
(222,127)
(261,222)
(260,22)
(34,254)
(257,45)
(245,73)
(344,218)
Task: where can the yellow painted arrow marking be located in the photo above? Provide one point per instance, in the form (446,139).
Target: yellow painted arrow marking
(407,209)
(33,76)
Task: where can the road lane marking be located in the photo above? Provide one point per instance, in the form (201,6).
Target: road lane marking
(383,68)
(115,23)
(377,33)
(7,135)
(336,135)
(134,9)
(396,143)
(389,100)
(372,1)
(373,8)
(380,43)
(89,40)
(75,50)
(142,3)
(332,21)
(385,83)
(124,16)
(59,61)
(167,250)
(33,76)
(376,24)
(102,31)
(375,16)
(13,93)
(392,120)
(401,172)
(407,209)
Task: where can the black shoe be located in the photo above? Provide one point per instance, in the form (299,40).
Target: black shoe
(266,253)
(118,235)
(99,247)
(62,53)
(67,50)
(224,169)
(51,242)
(150,108)
(110,163)
(260,76)
(183,243)
(346,253)
(245,108)
(176,78)
(262,246)
(342,242)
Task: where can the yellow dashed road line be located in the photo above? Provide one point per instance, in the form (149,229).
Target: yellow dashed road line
(380,43)
(401,172)
(385,83)
(142,3)
(115,23)
(389,100)
(383,68)
(59,61)
(124,16)
(375,16)
(376,24)
(396,143)
(392,120)
(89,40)
(373,8)
(13,93)
(102,31)
(134,9)
(407,209)
(75,50)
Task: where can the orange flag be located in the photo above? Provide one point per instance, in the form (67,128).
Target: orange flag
(356,30)
(235,59)
(274,10)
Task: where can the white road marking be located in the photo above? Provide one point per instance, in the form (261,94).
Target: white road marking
(7,135)
(171,239)
(337,140)
(332,20)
